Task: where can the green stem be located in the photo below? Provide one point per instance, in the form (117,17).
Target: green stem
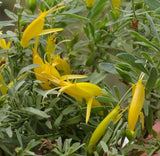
(126,93)
(133,8)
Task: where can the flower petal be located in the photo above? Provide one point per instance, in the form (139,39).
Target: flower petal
(89,105)
(136,105)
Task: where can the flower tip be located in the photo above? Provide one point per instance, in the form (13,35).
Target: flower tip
(87,118)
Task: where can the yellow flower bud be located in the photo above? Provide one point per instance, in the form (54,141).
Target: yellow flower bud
(101,128)
(3,43)
(50,48)
(136,105)
(89,3)
(116,5)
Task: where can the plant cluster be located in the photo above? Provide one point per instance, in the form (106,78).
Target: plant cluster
(57,70)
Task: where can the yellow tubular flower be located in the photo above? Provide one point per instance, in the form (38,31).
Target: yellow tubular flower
(50,48)
(101,128)
(36,27)
(116,5)
(89,3)
(83,90)
(61,65)
(46,71)
(3,43)
(3,88)
(136,105)
(33,30)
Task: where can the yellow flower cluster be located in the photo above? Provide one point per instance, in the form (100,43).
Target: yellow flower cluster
(57,71)
(135,108)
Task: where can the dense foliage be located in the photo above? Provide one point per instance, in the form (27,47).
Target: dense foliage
(80,78)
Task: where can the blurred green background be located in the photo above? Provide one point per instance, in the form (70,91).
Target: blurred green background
(6,4)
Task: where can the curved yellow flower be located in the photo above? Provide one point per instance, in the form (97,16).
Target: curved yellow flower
(83,90)
(61,65)
(116,5)
(3,87)
(89,3)
(50,48)
(47,72)
(36,27)
(101,128)
(136,105)
(3,43)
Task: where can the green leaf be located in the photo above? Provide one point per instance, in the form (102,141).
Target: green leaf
(108,67)
(49,124)
(98,8)
(92,30)
(147,57)
(143,39)
(9,131)
(44,92)
(125,20)
(157,85)
(96,77)
(5,149)
(19,85)
(75,147)
(86,32)
(28,68)
(117,92)
(5,24)
(19,138)
(32,144)
(151,80)
(130,59)
(11,15)
(58,120)
(74,120)
(91,59)
(124,66)
(68,110)
(66,145)
(153,4)
(149,121)
(125,75)
(36,112)
(120,127)
(155,33)
(146,108)
(107,99)
(76,16)
(59,143)
(104,146)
